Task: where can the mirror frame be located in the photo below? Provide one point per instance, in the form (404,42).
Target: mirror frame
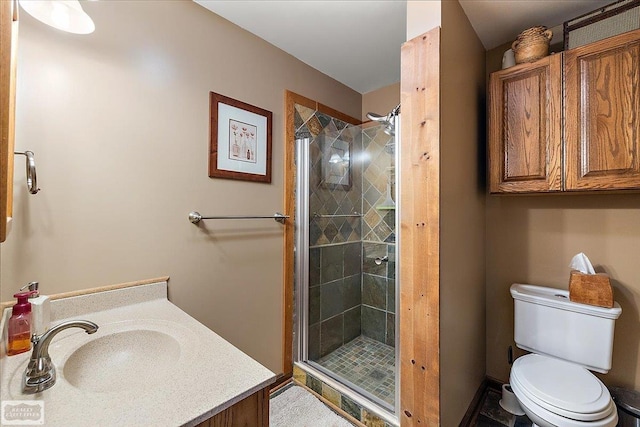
(8,60)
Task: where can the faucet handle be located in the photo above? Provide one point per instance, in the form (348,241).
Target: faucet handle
(33,286)
(40,373)
(379,260)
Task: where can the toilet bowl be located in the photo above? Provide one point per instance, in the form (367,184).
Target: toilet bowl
(555,393)
(567,340)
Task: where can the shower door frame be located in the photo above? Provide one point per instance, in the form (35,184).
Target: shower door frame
(301,276)
(291,99)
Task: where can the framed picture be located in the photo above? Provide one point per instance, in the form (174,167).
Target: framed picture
(240,146)
(336,165)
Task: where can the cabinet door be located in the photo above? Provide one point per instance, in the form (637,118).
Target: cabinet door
(525,127)
(8,52)
(602,107)
(252,411)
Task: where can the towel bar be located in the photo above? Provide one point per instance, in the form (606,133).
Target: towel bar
(195,217)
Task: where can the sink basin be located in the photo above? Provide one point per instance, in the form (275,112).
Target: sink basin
(122,360)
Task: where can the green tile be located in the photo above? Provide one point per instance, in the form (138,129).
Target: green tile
(374,323)
(314,384)
(351,408)
(374,291)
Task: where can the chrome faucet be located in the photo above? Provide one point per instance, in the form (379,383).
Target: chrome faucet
(41,373)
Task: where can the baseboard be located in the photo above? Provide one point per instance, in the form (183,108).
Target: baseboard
(281,381)
(494,383)
(475,405)
(471,416)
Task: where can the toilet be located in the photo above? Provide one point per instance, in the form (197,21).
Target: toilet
(567,340)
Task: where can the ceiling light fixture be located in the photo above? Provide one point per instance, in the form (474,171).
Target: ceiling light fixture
(65,15)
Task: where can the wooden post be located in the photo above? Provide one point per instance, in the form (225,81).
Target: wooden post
(420,231)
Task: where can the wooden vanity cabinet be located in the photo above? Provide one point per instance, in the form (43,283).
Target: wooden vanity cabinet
(568,122)
(252,411)
(602,114)
(525,132)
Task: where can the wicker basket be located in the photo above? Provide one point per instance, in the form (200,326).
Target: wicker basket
(532,44)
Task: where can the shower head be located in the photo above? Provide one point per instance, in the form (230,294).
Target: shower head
(387,121)
(377,117)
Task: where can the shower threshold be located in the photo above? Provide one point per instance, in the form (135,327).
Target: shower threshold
(357,395)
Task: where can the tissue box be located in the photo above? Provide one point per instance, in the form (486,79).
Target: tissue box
(592,289)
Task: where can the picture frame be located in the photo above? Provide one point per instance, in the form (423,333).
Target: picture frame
(336,165)
(240,142)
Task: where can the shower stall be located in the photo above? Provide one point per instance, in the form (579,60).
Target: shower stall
(345,281)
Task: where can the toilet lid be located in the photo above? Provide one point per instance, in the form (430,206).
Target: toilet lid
(562,387)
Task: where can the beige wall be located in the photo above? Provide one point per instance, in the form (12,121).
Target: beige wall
(531,239)
(462,213)
(119,123)
(422,16)
(381,101)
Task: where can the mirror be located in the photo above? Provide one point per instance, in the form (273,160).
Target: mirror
(8,57)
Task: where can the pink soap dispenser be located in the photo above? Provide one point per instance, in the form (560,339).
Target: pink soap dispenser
(19,332)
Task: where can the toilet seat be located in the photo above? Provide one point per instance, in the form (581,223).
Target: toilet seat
(561,388)
(543,418)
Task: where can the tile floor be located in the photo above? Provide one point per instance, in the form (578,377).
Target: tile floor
(492,415)
(367,363)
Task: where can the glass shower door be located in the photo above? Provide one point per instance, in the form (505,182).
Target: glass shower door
(346,228)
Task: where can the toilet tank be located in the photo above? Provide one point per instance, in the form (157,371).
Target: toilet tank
(546,322)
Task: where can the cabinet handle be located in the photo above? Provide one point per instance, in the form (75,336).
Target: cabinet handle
(32,180)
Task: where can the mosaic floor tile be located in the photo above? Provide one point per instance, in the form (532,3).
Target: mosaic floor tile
(367,363)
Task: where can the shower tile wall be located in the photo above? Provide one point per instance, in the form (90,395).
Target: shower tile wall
(334,297)
(378,292)
(378,169)
(378,229)
(329,137)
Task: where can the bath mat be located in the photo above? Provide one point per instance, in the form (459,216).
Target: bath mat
(296,407)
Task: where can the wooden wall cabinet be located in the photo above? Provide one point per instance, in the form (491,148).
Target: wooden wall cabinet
(602,114)
(568,122)
(8,56)
(525,127)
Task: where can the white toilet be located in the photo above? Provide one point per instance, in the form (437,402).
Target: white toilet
(566,340)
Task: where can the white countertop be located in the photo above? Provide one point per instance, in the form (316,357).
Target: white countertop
(207,374)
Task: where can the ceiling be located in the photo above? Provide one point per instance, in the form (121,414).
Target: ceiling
(358,42)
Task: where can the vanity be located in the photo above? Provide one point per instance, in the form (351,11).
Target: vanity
(149,363)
